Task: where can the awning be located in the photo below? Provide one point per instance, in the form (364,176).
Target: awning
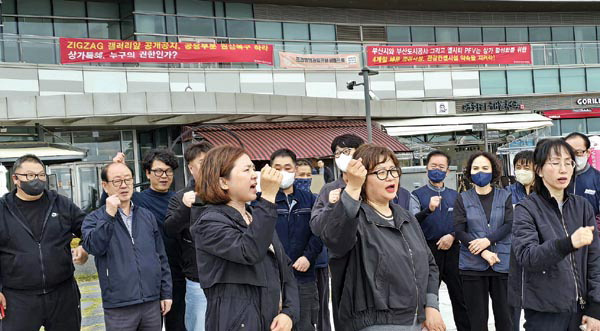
(49,153)
(573,113)
(309,139)
(431,125)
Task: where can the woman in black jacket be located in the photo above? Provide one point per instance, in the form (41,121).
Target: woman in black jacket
(242,266)
(556,246)
(383,274)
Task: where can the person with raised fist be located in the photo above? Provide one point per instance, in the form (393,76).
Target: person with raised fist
(556,247)
(384,276)
(242,266)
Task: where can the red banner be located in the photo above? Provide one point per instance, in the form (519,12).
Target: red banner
(434,55)
(74,50)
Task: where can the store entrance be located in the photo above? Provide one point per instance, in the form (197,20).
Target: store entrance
(80,182)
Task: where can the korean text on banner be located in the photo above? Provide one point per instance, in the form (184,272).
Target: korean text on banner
(318,61)
(434,55)
(73,50)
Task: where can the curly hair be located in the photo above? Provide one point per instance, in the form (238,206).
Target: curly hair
(496,166)
(163,155)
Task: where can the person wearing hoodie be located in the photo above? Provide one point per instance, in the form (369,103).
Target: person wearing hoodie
(587,178)
(177,226)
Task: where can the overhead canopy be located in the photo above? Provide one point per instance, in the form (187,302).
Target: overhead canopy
(48,153)
(309,139)
(431,125)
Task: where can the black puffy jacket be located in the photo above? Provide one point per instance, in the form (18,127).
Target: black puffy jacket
(555,275)
(25,263)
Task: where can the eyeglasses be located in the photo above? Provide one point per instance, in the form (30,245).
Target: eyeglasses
(383,174)
(345,151)
(32,176)
(567,164)
(119,182)
(160,172)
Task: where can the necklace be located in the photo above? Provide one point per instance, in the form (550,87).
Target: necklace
(248,217)
(378,212)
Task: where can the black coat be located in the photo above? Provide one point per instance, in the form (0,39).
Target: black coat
(381,273)
(177,226)
(553,271)
(28,265)
(241,276)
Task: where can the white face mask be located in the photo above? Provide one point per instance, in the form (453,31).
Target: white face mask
(342,161)
(524,177)
(581,162)
(287,180)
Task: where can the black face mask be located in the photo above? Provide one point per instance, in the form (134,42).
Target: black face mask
(33,187)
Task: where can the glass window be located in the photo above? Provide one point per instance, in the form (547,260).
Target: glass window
(555,129)
(494,35)
(585,33)
(155,6)
(422,34)
(35,26)
(34,7)
(38,51)
(398,33)
(195,26)
(69,8)
(470,35)
(572,125)
(240,29)
(268,30)
(322,48)
(295,31)
(562,33)
(101,146)
(323,32)
(195,7)
(564,52)
(593,125)
(171,26)
(586,52)
(127,27)
(10,25)
(104,30)
(519,81)
(8,7)
(70,28)
(538,34)
(238,10)
(170,6)
(149,24)
(492,82)
(572,80)
(593,79)
(517,35)
(295,47)
(103,9)
(446,35)
(546,81)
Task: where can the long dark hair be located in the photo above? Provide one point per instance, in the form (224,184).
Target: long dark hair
(543,151)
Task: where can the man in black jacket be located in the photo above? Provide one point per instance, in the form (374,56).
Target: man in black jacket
(36,265)
(177,226)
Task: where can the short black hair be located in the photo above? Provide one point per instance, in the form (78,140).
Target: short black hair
(543,151)
(496,166)
(193,150)
(163,155)
(347,141)
(585,138)
(104,171)
(437,152)
(282,153)
(526,156)
(26,158)
(303,163)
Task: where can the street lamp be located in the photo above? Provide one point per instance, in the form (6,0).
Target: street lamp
(365,72)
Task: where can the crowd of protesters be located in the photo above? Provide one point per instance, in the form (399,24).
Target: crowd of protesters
(239,249)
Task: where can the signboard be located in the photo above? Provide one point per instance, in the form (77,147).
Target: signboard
(318,61)
(435,55)
(492,106)
(588,101)
(573,113)
(77,50)
(441,108)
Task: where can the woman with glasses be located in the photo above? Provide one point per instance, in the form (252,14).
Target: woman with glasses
(383,274)
(556,246)
(482,222)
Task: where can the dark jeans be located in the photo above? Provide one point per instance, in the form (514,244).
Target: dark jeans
(58,310)
(538,321)
(516,317)
(447,262)
(477,290)
(141,317)
(175,319)
(309,306)
(323,321)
